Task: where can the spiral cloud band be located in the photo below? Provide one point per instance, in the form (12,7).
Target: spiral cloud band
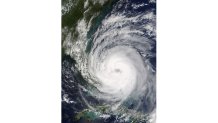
(115,61)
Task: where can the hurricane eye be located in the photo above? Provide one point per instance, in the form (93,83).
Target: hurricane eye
(118,70)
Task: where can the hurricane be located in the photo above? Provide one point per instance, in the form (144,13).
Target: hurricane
(109,61)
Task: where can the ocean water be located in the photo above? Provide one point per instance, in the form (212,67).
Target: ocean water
(108,61)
